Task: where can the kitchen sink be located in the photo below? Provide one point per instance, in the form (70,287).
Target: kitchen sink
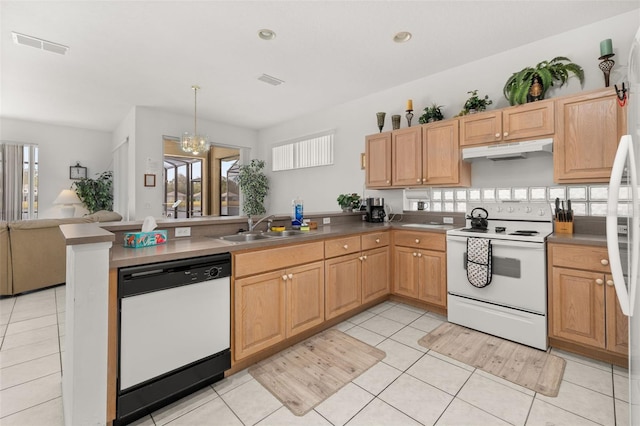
(287,233)
(244,237)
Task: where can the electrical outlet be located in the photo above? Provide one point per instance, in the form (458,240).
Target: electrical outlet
(447,220)
(326,220)
(623,229)
(183,231)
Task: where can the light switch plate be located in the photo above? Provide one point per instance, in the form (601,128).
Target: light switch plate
(326,220)
(183,231)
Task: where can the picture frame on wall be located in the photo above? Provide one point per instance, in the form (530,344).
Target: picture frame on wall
(149,179)
(77,172)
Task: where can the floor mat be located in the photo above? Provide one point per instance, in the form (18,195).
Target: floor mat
(306,374)
(532,368)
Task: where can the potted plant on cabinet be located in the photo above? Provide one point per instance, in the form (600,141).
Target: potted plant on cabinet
(531,83)
(254,186)
(348,202)
(475,103)
(96,194)
(431,114)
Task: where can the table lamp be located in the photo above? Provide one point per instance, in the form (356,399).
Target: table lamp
(67,198)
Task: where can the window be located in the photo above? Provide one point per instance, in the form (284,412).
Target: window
(18,181)
(229,190)
(311,151)
(183,182)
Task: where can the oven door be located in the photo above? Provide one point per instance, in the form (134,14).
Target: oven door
(519,274)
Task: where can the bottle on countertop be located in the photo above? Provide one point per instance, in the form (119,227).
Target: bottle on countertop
(297,213)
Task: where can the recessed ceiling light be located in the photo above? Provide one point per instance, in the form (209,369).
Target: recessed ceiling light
(39,43)
(402,37)
(266,34)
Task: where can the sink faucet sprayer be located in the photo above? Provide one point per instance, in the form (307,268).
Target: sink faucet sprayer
(252,225)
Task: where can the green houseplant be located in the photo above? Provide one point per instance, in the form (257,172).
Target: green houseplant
(431,114)
(531,83)
(348,202)
(96,194)
(476,103)
(255,186)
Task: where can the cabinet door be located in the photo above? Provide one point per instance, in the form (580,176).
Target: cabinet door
(481,128)
(441,159)
(433,277)
(617,322)
(305,297)
(378,160)
(259,313)
(588,130)
(375,273)
(577,306)
(406,149)
(405,271)
(532,120)
(343,289)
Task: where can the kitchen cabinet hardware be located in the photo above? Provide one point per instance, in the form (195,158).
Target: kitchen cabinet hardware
(604,262)
(599,281)
(610,283)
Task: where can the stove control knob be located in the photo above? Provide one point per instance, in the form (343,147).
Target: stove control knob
(511,209)
(541,212)
(527,209)
(498,209)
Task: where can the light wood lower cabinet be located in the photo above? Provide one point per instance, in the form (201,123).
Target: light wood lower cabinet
(343,285)
(420,266)
(376,277)
(583,307)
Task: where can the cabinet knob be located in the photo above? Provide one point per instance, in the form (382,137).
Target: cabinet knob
(290,276)
(418,180)
(361,258)
(415,254)
(505,134)
(364,257)
(610,283)
(284,277)
(377,240)
(423,180)
(604,262)
(497,135)
(346,246)
(389,182)
(599,281)
(419,254)
(417,241)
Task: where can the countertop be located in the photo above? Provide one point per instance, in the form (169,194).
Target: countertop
(578,239)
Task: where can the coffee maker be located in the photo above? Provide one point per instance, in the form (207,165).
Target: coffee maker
(375,210)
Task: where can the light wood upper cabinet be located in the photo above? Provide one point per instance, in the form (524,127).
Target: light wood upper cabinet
(528,121)
(441,160)
(406,152)
(589,127)
(378,160)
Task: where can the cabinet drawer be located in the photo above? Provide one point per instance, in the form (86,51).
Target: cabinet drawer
(375,240)
(270,259)
(424,240)
(580,257)
(341,246)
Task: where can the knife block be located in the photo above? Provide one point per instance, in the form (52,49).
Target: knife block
(563,227)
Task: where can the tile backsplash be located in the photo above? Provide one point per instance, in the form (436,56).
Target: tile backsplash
(586,200)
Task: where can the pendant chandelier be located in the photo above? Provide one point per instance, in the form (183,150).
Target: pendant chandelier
(194,143)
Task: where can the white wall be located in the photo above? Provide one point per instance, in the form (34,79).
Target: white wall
(320,186)
(59,147)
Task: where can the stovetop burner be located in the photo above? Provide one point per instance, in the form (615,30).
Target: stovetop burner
(483,230)
(523,232)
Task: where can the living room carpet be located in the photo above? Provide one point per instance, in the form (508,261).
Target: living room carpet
(307,373)
(532,368)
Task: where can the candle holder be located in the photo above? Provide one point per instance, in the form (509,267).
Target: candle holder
(409,116)
(380,116)
(606,65)
(395,122)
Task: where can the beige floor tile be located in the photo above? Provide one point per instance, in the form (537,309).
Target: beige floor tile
(382,326)
(622,413)
(361,317)
(621,371)
(30,394)
(31,324)
(581,359)
(369,337)
(143,421)
(24,353)
(378,412)
(284,417)
(461,413)
(497,399)
(589,377)
(343,326)
(214,412)
(544,414)
(410,337)
(173,411)
(29,371)
(27,314)
(426,323)
(29,337)
(401,315)
(381,307)
(621,387)
(410,395)
(3,329)
(377,378)
(412,308)
(232,382)
(4,318)
(583,402)
(438,373)
(399,355)
(251,402)
(344,404)
(48,413)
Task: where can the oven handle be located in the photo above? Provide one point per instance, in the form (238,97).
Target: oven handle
(503,243)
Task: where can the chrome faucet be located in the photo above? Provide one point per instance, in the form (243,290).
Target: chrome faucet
(252,225)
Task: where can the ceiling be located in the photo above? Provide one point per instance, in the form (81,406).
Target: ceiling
(126,53)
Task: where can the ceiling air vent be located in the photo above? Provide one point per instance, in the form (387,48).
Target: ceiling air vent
(39,43)
(270,80)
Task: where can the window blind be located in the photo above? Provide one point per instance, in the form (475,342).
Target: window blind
(308,152)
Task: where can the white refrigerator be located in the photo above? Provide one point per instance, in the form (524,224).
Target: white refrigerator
(624,251)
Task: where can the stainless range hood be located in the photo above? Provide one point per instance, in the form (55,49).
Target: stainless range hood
(508,151)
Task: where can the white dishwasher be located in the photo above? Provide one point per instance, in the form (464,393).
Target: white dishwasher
(174,331)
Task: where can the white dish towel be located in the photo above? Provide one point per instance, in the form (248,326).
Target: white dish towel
(479,261)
